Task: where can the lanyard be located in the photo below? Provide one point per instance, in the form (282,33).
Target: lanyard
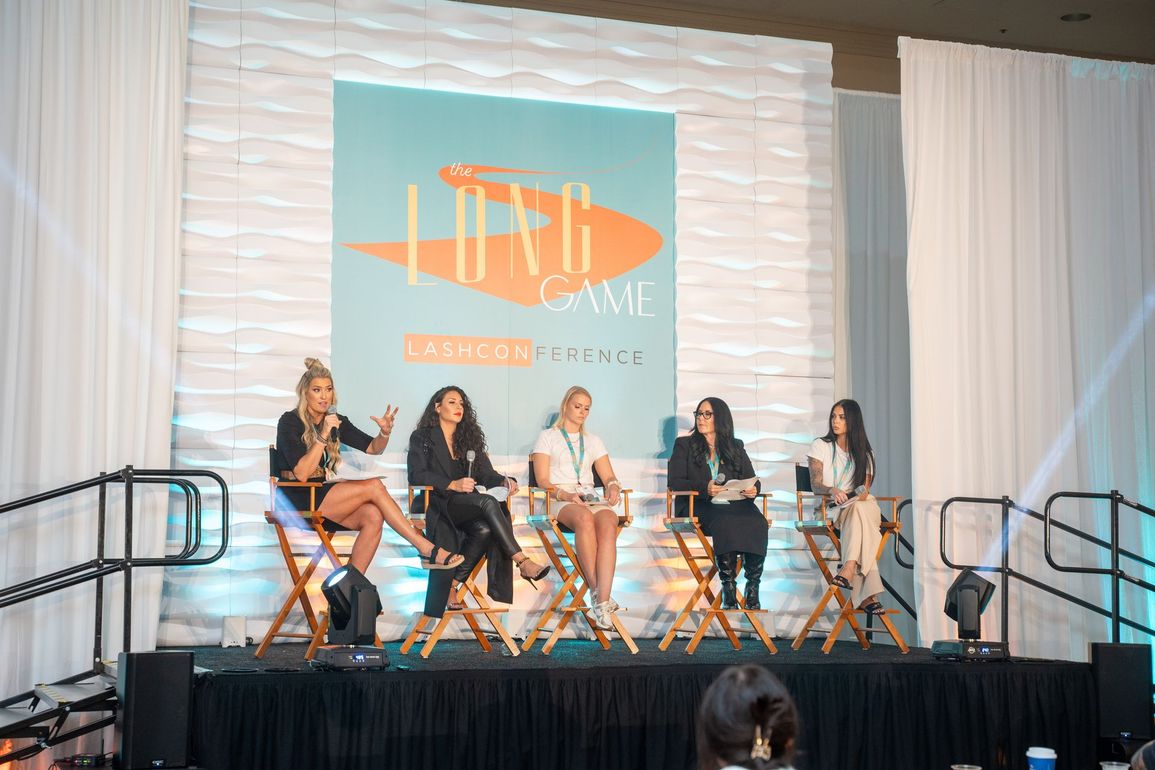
(839,477)
(577,461)
(713,463)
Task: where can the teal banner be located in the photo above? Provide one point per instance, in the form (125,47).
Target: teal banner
(511,247)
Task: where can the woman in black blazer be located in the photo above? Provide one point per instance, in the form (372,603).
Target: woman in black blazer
(737,527)
(447,452)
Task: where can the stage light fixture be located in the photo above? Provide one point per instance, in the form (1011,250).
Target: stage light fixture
(966,599)
(353,607)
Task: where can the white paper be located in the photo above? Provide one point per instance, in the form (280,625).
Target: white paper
(500,494)
(732,490)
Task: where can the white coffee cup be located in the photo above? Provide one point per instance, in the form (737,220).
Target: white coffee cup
(1041,758)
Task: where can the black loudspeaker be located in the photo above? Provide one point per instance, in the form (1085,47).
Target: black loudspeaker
(1123,681)
(153,717)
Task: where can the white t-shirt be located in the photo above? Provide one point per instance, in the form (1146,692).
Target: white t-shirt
(837,465)
(561,463)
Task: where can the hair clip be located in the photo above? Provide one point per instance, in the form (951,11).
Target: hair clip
(761,748)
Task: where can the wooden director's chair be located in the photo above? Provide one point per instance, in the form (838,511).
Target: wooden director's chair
(467,593)
(574,584)
(697,550)
(285,517)
(822,525)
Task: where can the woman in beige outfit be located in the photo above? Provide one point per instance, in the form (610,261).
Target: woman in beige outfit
(842,466)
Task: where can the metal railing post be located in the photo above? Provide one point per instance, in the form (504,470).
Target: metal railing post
(98,631)
(1006,541)
(1115,565)
(128,495)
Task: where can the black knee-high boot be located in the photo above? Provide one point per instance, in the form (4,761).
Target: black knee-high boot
(728,572)
(753,568)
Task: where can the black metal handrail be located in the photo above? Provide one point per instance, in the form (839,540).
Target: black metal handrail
(1006,571)
(1116,573)
(101,565)
(900,540)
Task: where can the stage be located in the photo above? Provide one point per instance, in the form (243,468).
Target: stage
(582,707)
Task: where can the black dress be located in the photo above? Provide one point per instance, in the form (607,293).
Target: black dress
(737,527)
(430,465)
(291,448)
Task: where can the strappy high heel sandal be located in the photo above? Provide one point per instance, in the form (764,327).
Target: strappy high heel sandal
(532,578)
(447,560)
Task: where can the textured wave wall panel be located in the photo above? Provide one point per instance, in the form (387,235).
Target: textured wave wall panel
(555,58)
(753,271)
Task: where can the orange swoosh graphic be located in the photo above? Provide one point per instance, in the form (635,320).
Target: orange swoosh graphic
(618,243)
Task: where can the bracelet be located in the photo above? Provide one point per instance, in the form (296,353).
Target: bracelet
(614,482)
(384,433)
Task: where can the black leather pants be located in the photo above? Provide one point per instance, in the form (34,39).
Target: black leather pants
(482,520)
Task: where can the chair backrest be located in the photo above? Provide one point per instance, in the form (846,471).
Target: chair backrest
(802,478)
(275,467)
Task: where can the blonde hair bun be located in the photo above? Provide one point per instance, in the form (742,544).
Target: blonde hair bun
(313,363)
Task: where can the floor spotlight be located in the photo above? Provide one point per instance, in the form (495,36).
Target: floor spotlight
(353,609)
(966,599)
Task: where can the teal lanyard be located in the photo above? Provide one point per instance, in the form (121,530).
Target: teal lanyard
(713,463)
(576,459)
(840,477)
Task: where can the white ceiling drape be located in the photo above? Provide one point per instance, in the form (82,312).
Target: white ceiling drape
(1030,185)
(92,98)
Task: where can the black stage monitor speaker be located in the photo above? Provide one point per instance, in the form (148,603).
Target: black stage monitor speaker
(1123,681)
(154,690)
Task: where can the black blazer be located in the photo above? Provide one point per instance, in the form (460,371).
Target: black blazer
(430,465)
(684,475)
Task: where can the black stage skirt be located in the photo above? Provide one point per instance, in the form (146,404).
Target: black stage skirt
(735,527)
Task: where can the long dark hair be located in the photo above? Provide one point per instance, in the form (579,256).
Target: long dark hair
(468,435)
(857,444)
(740,699)
(727,447)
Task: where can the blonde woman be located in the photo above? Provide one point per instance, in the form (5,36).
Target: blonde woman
(565,457)
(309,440)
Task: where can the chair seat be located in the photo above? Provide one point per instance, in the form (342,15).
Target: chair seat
(681,524)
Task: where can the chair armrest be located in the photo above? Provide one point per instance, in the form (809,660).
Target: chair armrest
(413,490)
(546,494)
(670,495)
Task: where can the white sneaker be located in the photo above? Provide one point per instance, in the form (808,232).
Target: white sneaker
(602,613)
(615,607)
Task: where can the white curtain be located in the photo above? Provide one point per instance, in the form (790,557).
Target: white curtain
(1031,276)
(873,337)
(92,99)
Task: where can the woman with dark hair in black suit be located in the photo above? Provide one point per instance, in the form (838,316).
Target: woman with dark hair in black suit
(736,527)
(447,452)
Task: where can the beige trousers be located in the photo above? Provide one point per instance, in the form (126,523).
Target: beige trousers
(860,537)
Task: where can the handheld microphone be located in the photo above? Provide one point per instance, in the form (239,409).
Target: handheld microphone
(720,479)
(470,456)
(332,433)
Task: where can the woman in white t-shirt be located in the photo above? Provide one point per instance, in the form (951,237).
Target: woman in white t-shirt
(565,457)
(842,466)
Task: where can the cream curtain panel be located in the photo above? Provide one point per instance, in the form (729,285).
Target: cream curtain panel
(92,99)
(1030,184)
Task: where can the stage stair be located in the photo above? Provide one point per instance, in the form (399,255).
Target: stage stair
(43,712)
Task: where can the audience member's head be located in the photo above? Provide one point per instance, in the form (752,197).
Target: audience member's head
(747,719)
(1144,758)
